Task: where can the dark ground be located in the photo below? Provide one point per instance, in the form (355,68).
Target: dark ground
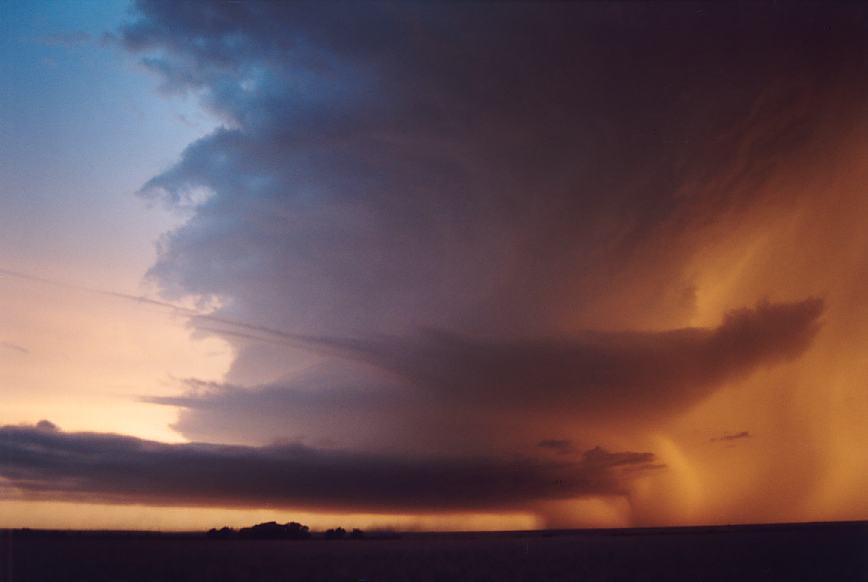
(827,552)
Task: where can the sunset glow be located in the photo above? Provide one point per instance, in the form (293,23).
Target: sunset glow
(423,266)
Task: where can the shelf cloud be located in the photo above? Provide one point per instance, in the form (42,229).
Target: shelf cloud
(45,463)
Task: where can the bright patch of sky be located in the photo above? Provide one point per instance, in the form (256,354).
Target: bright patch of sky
(82,127)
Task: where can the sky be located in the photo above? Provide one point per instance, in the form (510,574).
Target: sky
(432,265)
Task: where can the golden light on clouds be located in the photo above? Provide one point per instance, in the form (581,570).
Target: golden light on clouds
(802,459)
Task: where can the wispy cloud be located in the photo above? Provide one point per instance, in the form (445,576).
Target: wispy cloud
(227,326)
(14,347)
(732,436)
(66,39)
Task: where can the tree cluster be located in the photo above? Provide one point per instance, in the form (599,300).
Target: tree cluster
(275,531)
(264,531)
(340,533)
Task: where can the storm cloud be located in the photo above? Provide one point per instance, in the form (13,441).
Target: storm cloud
(44,463)
(597,371)
(411,214)
(496,170)
(438,388)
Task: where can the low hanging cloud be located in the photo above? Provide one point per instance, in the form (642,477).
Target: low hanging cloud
(42,462)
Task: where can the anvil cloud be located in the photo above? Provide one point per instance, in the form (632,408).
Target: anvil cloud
(501,224)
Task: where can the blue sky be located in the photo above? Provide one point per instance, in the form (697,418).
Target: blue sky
(82,127)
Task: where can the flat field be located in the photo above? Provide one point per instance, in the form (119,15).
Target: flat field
(827,552)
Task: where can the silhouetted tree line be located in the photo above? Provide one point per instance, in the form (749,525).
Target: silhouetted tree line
(264,531)
(275,531)
(340,533)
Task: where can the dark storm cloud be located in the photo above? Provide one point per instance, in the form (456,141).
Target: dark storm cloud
(329,405)
(497,172)
(443,390)
(560,446)
(49,464)
(599,371)
(46,425)
(474,166)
